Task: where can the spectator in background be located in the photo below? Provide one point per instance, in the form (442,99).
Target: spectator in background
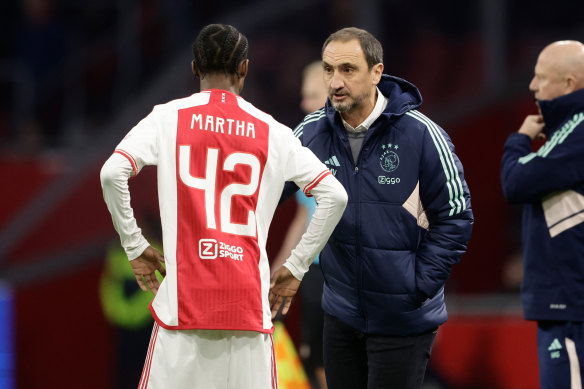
(313,90)
(314,95)
(407,222)
(222,165)
(41,49)
(550,184)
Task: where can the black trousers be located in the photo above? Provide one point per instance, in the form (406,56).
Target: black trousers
(354,360)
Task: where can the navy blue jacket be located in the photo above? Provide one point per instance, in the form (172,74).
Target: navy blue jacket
(407,222)
(550,184)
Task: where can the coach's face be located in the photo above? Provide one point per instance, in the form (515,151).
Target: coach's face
(351,84)
(548,82)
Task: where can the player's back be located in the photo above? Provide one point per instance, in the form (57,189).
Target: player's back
(222,165)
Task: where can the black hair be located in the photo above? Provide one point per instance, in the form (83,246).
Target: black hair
(219,48)
(370,45)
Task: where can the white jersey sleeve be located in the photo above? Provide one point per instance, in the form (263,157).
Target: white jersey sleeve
(136,150)
(331,200)
(314,179)
(114,181)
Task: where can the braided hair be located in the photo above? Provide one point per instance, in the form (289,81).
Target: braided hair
(219,48)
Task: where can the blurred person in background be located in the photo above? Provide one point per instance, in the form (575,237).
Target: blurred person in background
(313,90)
(407,222)
(550,184)
(314,95)
(125,306)
(41,48)
(221,166)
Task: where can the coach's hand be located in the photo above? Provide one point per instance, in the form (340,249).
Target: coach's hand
(145,267)
(283,286)
(533,126)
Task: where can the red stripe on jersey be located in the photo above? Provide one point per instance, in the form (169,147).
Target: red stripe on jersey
(130,158)
(148,363)
(221,153)
(274,366)
(315,182)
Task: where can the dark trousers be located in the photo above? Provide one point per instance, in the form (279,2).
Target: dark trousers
(560,350)
(354,360)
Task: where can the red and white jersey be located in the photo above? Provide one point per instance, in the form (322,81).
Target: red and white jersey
(222,165)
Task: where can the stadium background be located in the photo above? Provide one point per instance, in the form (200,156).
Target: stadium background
(76,76)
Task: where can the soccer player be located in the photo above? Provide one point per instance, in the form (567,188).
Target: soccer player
(221,165)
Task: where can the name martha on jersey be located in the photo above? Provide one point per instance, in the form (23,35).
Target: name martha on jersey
(222,125)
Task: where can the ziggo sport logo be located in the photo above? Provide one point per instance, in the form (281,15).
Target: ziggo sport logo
(211,249)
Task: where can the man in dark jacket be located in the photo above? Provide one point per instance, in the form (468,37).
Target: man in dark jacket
(550,184)
(407,222)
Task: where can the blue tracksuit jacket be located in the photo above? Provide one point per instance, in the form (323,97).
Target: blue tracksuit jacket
(550,184)
(407,222)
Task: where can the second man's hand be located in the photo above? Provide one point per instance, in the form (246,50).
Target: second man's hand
(283,287)
(533,126)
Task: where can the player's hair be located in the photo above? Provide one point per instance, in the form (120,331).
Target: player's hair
(370,45)
(219,48)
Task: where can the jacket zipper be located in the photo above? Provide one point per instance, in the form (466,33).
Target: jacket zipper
(359,262)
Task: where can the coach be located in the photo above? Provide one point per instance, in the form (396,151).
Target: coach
(407,222)
(550,184)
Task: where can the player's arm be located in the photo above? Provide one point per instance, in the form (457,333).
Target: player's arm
(315,180)
(144,259)
(296,228)
(331,200)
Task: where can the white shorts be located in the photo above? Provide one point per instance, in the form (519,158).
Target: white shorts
(209,359)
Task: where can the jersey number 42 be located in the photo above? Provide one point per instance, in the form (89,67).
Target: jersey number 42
(208,185)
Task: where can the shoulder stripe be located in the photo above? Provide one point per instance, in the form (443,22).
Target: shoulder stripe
(316,115)
(453,181)
(315,182)
(558,138)
(130,158)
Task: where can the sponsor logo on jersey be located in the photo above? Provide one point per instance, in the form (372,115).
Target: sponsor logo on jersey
(211,249)
(207,248)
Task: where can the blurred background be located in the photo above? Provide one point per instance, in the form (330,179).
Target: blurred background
(75,76)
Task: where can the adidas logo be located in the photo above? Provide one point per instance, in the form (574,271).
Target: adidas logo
(333,161)
(555,345)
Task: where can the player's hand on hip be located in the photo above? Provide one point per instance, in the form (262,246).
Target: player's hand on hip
(145,267)
(283,286)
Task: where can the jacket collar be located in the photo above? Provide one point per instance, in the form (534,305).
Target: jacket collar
(557,111)
(378,109)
